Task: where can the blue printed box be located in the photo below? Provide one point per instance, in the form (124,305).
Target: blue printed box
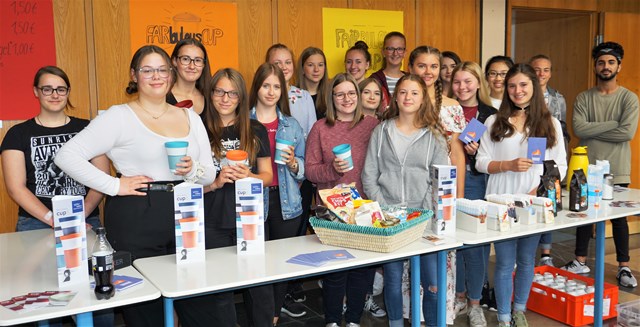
(188,206)
(249,216)
(71,240)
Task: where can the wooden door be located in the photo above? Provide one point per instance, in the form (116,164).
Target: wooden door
(623,28)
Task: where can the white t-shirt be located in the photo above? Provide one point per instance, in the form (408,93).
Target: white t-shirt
(133,148)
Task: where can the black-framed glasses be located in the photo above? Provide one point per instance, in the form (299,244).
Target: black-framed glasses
(48,90)
(342,95)
(147,72)
(186,60)
(495,74)
(220,93)
(398,50)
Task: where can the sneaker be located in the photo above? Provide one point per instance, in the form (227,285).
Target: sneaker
(476,317)
(546,261)
(504,324)
(333,324)
(625,277)
(489,301)
(296,292)
(372,307)
(460,307)
(352,324)
(344,308)
(291,308)
(576,267)
(518,319)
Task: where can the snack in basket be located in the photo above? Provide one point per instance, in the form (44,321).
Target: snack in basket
(323,212)
(367,212)
(340,201)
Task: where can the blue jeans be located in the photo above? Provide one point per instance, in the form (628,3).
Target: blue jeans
(471,267)
(27,223)
(393,289)
(521,251)
(545,241)
(470,261)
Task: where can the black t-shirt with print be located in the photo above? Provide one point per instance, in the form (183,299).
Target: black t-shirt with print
(220,205)
(40,145)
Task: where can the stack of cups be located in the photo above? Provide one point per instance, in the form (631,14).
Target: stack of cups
(343,152)
(280,146)
(175,151)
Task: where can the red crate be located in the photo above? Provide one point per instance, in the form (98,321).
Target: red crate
(567,308)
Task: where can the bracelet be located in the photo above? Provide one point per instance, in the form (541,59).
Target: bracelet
(197,171)
(48,216)
(500,167)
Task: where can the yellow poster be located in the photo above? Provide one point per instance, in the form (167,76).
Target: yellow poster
(164,23)
(342,28)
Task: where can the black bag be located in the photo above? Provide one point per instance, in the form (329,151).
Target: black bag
(547,189)
(578,200)
(551,169)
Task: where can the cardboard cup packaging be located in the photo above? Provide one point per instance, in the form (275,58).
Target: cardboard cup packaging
(71,240)
(249,216)
(443,197)
(188,213)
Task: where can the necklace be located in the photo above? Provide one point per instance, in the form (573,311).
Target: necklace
(43,125)
(149,112)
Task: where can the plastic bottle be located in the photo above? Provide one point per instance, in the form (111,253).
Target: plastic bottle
(103,266)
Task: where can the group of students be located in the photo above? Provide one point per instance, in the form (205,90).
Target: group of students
(398,124)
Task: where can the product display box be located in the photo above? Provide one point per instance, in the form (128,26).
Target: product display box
(471,215)
(443,183)
(71,240)
(250,216)
(497,217)
(188,206)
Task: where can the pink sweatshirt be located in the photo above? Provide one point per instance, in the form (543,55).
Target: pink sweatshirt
(318,159)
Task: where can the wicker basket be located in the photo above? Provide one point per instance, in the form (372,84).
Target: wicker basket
(371,238)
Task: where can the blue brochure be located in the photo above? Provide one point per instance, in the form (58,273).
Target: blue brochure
(472,132)
(536,149)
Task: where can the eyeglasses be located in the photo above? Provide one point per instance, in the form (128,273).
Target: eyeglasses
(398,50)
(495,74)
(342,95)
(220,93)
(48,90)
(186,60)
(147,72)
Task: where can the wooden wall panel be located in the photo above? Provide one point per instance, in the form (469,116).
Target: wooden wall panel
(112,51)
(450,25)
(256,35)
(71,56)
(587,5)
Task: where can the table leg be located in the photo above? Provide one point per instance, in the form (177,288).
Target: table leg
(84,319)
(599,282)
(416,306)
(442,288)
(168,312)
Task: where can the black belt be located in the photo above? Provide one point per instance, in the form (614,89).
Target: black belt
(273,188)
(159,187)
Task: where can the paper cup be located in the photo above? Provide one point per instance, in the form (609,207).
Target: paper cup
(280,146)
(175,151)
(235,157)
(343,152)
(189,229)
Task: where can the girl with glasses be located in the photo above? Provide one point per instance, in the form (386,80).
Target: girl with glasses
(393,50)
(495,71)
(191,66)
(226,118)
(283,203)
(345,123)
(139,207)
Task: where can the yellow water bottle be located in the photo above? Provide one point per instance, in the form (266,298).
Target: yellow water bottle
(579,160)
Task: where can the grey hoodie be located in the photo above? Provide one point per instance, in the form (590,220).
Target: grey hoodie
(390,181)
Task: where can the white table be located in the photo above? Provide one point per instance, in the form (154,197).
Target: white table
(224,270)
(28,264)
(599,216)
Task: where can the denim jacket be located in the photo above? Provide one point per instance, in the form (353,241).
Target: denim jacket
(290,198)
